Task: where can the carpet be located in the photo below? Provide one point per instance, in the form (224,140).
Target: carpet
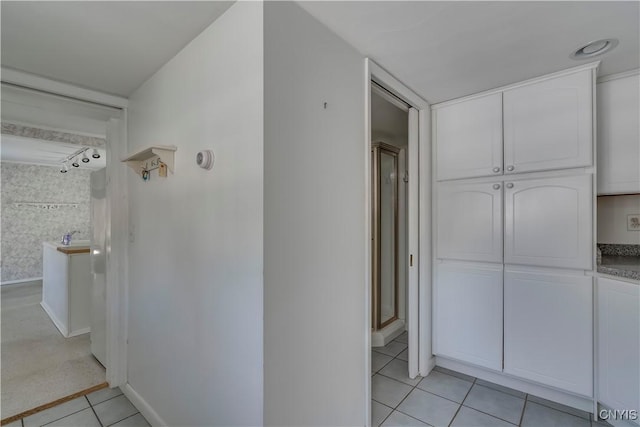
(39,365)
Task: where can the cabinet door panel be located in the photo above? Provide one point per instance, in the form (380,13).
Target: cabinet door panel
(619,136)
(618,344)
(548,329)
(548,125)
(468,314)
(548,222)
(469,138)
(469,224)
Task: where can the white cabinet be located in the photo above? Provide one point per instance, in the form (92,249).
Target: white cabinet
(468,313)
(619,136)
(469,221)
(548,222)
(548,125)
(618,344)
(66,288)
(548,334)
(469,136)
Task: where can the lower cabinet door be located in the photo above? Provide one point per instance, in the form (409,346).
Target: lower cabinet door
(468,313)
(618,344)
(548,329)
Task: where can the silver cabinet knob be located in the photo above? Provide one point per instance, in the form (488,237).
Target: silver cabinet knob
(510,185)
(496,169)
(496,186)
(510,168)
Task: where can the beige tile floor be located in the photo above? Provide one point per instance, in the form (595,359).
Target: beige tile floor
(448,398)
(102,408)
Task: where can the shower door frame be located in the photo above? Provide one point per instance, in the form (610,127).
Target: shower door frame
(376,309)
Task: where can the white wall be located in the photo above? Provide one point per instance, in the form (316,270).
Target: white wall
(612,219)
(196,303)
(315,321)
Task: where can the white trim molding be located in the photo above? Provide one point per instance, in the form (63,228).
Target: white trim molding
(590,66)
(617,76)
(419,309)
(145,409)
(15,282)
(43,84)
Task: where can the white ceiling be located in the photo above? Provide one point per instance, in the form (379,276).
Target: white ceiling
(444,50)
(47,153)
(109,46)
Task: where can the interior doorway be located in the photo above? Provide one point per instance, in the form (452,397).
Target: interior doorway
(398,240)
(51,147)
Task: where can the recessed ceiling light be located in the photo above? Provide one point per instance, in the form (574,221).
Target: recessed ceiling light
(594,48)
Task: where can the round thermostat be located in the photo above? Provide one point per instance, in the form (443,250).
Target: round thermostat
(205,159)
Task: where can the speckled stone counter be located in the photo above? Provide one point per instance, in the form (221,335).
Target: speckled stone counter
(620,260)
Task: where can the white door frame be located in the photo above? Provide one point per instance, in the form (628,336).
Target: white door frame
(117,213)
(419,289)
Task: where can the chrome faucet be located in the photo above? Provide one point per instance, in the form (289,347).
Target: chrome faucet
(66,238)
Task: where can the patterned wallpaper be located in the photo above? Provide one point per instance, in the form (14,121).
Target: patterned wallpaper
(51,135)
(25,226)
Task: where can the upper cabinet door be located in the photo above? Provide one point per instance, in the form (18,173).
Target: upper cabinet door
(469,221)
(619,136)
(548,125)
(548,222)
(469,138)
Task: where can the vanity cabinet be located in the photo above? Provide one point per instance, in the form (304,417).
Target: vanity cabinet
(542,125)
(548,222)
(468,313)
(618,344)
(548,334)
(619,136)
(470,138)
(470,221)
(66,287)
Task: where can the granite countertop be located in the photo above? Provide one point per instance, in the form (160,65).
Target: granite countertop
(620,260)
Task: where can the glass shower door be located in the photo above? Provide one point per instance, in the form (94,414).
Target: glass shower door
(385,248)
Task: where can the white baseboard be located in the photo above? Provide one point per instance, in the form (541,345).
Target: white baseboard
(387,334)
(555,395)
(13,282)
(55,320)
(145,409)
(431,363)
(79,332)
